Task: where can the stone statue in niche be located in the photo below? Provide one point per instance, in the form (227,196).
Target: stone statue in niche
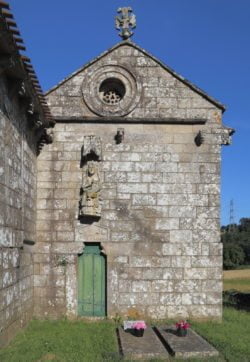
(90,203)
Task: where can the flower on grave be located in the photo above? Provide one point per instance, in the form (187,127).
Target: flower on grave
(182,325)
(139,325)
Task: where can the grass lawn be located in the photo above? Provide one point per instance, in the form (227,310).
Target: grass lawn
(96,341)
(62,341)
(237,279)
(231,337)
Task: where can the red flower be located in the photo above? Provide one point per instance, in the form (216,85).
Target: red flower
(182,324)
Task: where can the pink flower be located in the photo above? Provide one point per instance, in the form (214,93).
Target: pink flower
(182,324)
(139,325)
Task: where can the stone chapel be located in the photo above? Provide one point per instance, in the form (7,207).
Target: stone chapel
(109,187)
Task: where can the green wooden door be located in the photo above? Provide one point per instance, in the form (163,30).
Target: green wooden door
(91,282)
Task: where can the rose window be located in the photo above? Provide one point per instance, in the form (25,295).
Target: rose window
(112,91)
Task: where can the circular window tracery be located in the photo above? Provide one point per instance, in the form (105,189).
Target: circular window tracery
(112,91)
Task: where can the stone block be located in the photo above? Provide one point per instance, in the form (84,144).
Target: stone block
(214,298)
(207,236)
(195,273)
(187,286)
(166,167)
(152,177)
(192,346)
(181,261)
(68,248)
(145,166)
(115,176)
(182,211)
(172,249)
(167,224)
(133,188)
(120,236)
(141,286)
(143,200)
(212,286)
(130,156)
(157,312)
(134,177)
(162,286)
(172,274)
(170,299)
(146,348)
(122,166)
(208,261)
(180,236)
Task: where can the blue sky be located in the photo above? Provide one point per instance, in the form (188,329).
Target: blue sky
(206,41)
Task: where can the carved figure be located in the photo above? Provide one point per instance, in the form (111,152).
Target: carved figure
(91,200)
(125,22)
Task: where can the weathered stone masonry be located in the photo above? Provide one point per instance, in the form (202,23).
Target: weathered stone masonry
(22,133)
(159,225)
(134,172)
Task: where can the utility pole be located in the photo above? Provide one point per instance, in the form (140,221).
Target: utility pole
(231,216)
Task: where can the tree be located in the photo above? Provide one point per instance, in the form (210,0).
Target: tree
(233,256)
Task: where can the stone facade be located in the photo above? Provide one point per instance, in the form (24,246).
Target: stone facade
(17,219)
(22,134)
(134,169)
(160,191)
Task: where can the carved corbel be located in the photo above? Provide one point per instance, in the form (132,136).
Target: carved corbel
(199,139)
(119,137)
(33,117)
(226,136)
(46,137)
(24,97)
(31,109)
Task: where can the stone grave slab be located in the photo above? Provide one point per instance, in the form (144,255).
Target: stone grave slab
(147,347)
(192,345)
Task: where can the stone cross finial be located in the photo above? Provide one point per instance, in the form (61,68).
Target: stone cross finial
(125,22)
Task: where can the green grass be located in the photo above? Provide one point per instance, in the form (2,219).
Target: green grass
(96,341)
(242,285)
(62,341)
(231,337)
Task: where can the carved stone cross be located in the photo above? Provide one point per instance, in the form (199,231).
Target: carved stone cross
(125,22)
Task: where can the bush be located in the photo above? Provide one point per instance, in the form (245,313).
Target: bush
(233,256)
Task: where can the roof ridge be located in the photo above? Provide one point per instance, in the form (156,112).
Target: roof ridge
(166,67)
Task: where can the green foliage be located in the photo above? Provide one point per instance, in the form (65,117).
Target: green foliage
(236,243)
(233,256)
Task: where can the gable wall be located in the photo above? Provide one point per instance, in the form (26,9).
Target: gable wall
(159,224)
(163,96)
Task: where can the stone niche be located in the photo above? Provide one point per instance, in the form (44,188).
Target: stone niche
(91,201)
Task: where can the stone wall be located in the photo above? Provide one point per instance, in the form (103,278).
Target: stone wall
(17,214)
(159,225)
